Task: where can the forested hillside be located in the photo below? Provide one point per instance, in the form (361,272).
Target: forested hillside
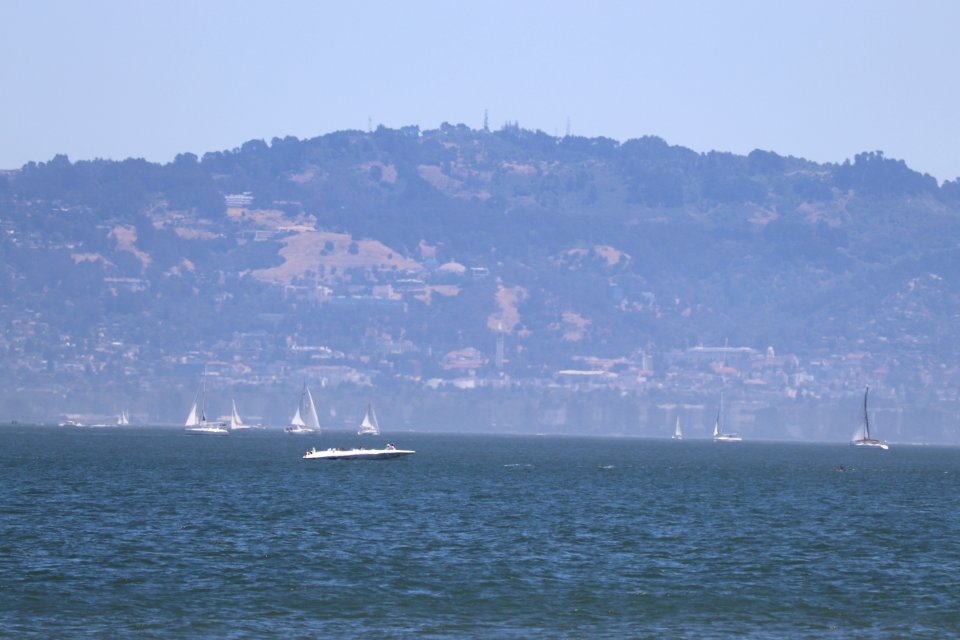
(400,247)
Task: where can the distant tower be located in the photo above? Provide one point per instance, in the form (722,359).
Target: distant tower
(646,362)
(568,126)
(369,124)
(498,360)
(486,122)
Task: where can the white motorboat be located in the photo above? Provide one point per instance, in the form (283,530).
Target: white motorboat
(389,451)
(861,437)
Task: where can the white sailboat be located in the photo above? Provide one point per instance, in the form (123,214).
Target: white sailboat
(861,437)
(305,420)
(197,422)
(718,434)
(677,431)
(123,419)
(369,426)
(235,421)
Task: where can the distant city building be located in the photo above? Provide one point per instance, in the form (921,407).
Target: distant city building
(238,200)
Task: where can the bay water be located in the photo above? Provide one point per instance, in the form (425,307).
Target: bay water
(153,533)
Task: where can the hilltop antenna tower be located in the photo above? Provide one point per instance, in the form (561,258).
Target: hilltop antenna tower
(486,122)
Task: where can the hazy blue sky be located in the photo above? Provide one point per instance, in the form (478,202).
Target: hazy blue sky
(821,80)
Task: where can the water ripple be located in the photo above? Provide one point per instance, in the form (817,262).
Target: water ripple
(517,538)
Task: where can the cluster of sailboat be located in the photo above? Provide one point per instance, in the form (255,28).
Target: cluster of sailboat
(861,437)
(719,435)
(123,420)
(305,421)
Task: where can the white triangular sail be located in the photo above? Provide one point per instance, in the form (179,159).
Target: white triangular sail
(677,431)
(123,418)
(198,415)
(193,418)
(369,426)
(860,434)
(297,421)
(305,419)
(199,412)
(717,429)
(235,421)
(312,419)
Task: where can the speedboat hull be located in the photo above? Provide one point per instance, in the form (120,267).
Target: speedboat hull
(356,454)
(725,438)
(207,431)
(874,444)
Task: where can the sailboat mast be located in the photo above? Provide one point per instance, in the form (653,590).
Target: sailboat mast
(866,416)
(203,395)
(719,427)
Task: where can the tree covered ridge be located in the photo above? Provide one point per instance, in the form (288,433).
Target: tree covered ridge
(761,249)
(649,172)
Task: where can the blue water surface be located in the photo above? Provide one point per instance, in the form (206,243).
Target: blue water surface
(152,533)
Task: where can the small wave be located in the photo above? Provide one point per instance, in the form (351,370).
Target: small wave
(518,466)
